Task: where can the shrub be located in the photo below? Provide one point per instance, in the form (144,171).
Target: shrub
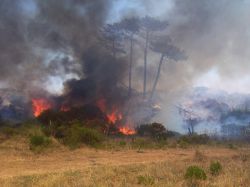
(154,130)
(195,173)
(146,180)
(76,135)
(38,142)
(215,168)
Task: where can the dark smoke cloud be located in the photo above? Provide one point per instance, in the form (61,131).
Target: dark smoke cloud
(47,39)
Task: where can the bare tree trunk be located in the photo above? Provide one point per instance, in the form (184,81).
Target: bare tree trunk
(145,66)
(157,77)
(130,66)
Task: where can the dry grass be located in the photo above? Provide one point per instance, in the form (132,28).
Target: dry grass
(89,167)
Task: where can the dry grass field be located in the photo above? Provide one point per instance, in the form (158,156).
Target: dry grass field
(59,166)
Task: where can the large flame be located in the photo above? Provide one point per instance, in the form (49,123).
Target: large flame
(115,117)
(127,131)
(40,105)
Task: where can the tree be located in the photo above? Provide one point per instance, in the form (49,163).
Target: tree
(131,27)
(164,46)
(112,35)
(149,25)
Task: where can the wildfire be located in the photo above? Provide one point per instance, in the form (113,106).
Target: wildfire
(40,105)
(115,117)
(127,131)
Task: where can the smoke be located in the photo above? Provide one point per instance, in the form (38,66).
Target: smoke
(56,41)
(41,40)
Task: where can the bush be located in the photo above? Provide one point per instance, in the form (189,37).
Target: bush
(37,142)
(76,135)
(215,168)
(195,173)
(154,130)
(146,180)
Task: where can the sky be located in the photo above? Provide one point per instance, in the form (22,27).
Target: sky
(215,76)
(218,56)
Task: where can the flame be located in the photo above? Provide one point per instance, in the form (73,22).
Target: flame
(114,116)
(40,105)
(127,131)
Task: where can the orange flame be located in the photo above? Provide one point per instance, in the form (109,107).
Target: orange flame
(127,131)
(39,106)
(114,117)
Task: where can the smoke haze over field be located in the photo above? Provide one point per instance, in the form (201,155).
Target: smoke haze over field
(46,43)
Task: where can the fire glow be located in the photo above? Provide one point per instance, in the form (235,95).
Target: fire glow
(115,118)
(40,105)
(127,131)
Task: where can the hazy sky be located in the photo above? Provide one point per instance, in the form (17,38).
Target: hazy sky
(215,35)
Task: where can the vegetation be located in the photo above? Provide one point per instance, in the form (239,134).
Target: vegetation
(215,168)
(39,142)
(195,173)
(118,161)
(195,139)
(155,130)
(77,135)
(146,180)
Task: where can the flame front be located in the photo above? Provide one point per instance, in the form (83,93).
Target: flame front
(40,105)
(127,131)
(115,117)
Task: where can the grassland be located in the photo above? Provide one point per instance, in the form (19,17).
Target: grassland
(119,166)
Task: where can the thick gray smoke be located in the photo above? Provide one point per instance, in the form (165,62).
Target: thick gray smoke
(44,43)
(43,39)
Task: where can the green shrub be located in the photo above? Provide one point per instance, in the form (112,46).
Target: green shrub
(39,142)
(146,180)
(215,168)
(76,135)
(195,173)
